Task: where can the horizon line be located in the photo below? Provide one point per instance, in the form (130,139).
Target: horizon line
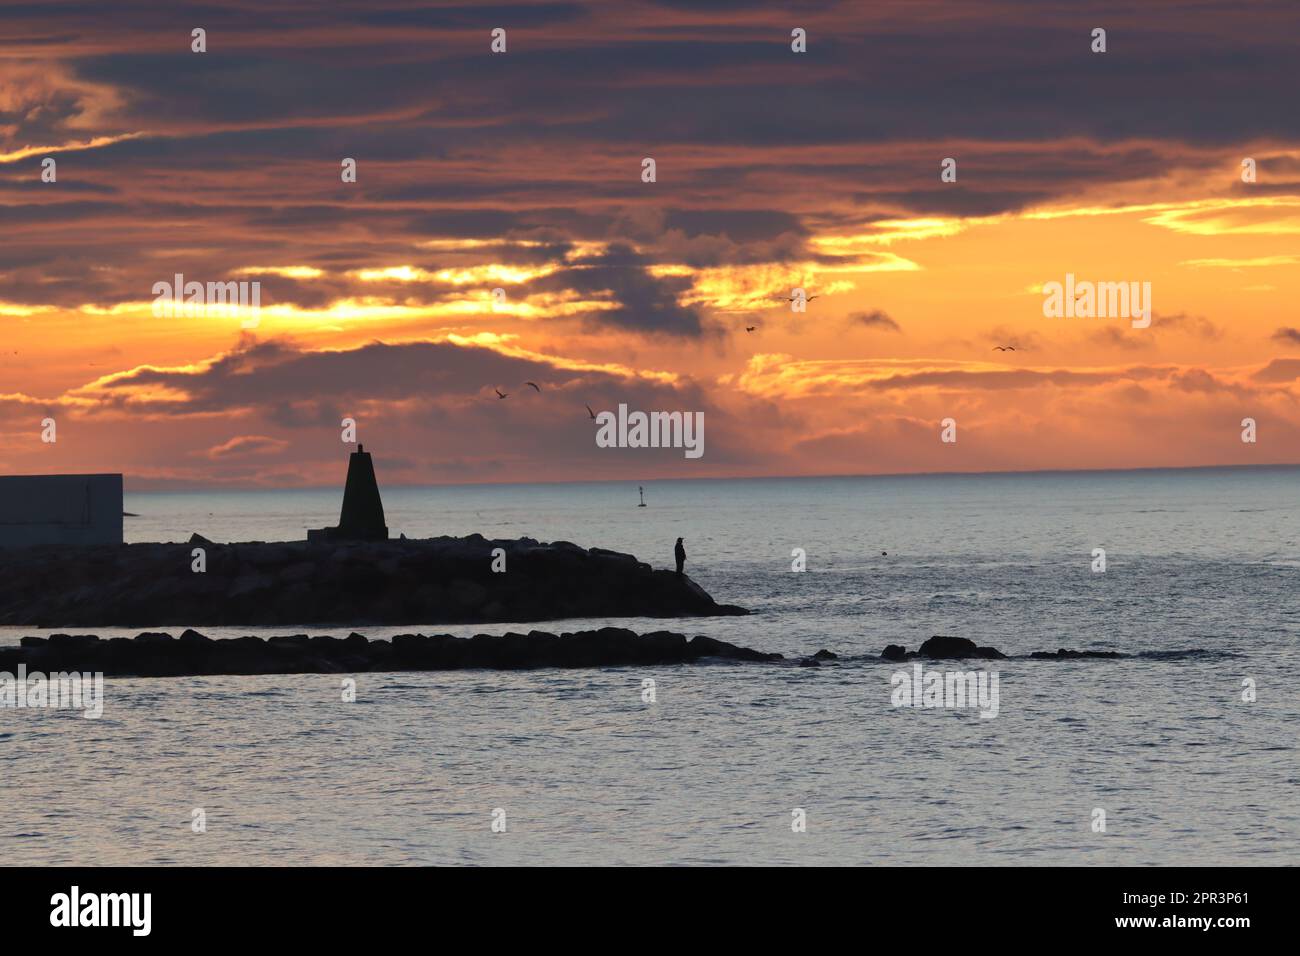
(828,477)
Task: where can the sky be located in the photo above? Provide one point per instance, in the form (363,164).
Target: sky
(523,171)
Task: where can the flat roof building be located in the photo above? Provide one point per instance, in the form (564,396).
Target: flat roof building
(60,509)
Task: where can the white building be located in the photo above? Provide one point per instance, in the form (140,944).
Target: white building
(60,509)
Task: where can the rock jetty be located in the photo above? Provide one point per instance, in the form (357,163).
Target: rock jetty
(154,654)
(943,647)
(338,583)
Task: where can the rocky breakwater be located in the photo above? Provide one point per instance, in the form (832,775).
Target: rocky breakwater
(161,655)
(943,647)
(405,581)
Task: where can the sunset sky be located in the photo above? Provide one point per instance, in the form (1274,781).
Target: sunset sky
(522,171)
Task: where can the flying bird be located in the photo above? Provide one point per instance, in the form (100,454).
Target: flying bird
(534,385)
(591,413)
(499,394)
(750,328)
(807,298)
(1004,348)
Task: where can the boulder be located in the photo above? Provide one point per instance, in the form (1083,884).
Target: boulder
(960,648)
(152,637)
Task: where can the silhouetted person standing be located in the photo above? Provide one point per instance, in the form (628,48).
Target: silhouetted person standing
(680,554)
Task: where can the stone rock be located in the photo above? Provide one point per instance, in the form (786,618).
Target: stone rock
(65,641)
(960,648)
(152,637)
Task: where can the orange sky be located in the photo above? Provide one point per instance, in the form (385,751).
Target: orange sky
(522,171)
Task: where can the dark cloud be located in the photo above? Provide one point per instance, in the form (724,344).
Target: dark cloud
(1196,325)
(645,303)
(1199,380)
(431,404)
(990,72)
(1279,370)
(1015,379)
(966,202)
(469,17)
(741,224)
(1113,337)
(275,374)
(875,319)
(758,147)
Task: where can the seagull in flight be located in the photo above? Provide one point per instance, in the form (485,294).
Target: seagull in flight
(534,385)
(499,393)
(1004,348)
(750,328)
(591,413)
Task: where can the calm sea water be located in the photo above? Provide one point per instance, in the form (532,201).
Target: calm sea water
(1201,583)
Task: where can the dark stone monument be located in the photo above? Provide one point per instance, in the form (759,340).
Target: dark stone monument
(362,518)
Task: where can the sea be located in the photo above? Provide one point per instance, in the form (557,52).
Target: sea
(1182,753)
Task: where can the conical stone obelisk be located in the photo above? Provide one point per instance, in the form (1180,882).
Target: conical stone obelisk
(362,518)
